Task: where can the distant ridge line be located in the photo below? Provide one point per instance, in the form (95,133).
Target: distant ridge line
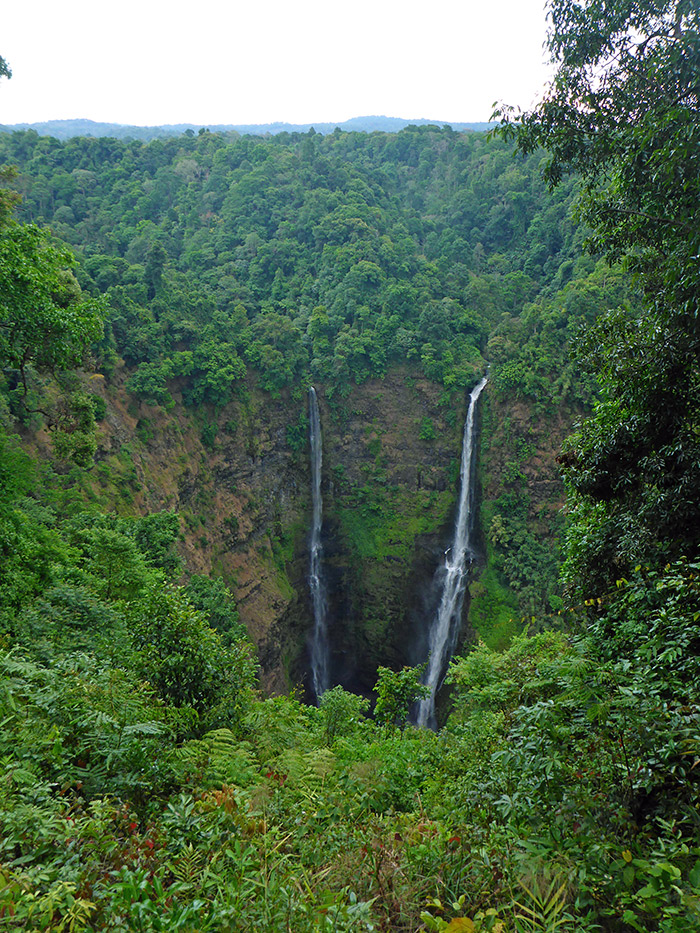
(65,129)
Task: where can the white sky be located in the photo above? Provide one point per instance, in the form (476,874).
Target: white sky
(149,62)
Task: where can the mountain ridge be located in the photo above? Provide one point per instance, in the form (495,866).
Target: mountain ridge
(65,129)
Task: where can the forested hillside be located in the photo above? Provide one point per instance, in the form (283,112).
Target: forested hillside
(164,308)
(333,256)
(336,259)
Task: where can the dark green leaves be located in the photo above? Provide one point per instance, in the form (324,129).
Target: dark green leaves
(43,321)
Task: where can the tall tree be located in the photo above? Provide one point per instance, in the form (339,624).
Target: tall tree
(45,322)
(623,111)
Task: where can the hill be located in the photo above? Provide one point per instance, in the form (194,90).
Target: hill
(66,129)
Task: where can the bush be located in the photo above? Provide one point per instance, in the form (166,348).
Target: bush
(186,661)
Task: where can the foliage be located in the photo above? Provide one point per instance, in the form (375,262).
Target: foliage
(640,191)
(41,323)
(186,661)
(327,256)
(615,698)
(630,468)
(342,712)
(560,795)
(397,691)
(210,596)
(155,535)
(427,429)
(622,113)
(145,785)
(46,326)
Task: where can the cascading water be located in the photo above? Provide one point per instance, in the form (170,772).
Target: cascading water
(320,663)
(454,573)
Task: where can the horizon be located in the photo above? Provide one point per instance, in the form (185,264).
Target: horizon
(204,125)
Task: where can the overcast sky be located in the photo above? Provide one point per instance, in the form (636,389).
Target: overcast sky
(150,62)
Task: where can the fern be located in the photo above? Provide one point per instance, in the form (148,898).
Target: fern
(543,911)
(217,759)
(307,770)
(189,865)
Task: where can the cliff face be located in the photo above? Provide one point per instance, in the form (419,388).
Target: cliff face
(522,514)
(240,480)
(392,455)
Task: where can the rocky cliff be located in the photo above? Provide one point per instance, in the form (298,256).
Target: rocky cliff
(240,480)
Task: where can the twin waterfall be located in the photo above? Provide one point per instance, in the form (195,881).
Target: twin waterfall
(454,573)
(320,673)
(452,576)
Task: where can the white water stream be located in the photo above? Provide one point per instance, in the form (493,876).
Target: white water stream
(320,661)
(455,571)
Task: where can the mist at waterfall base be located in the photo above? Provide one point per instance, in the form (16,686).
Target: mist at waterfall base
(453,575)
(318,648)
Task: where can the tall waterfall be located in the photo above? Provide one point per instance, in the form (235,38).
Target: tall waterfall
(319,640)
(454,573)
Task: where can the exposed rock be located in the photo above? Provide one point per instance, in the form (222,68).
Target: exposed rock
(389,498)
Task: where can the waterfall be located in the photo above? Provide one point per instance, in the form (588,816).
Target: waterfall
(454,573)
(319,640)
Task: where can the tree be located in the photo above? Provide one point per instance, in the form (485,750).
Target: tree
(155,535)
(115,567)
(45,323)
(186,661)
(44,320)
(342,712)
(623,111)
(9,199)
(211,597)
(397,691)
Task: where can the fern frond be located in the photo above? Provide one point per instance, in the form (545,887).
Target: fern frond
(308,770)
(188,865)
(218,759)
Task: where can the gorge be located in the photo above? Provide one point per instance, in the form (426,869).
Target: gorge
(369,273)
(366,273)
(383,270)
